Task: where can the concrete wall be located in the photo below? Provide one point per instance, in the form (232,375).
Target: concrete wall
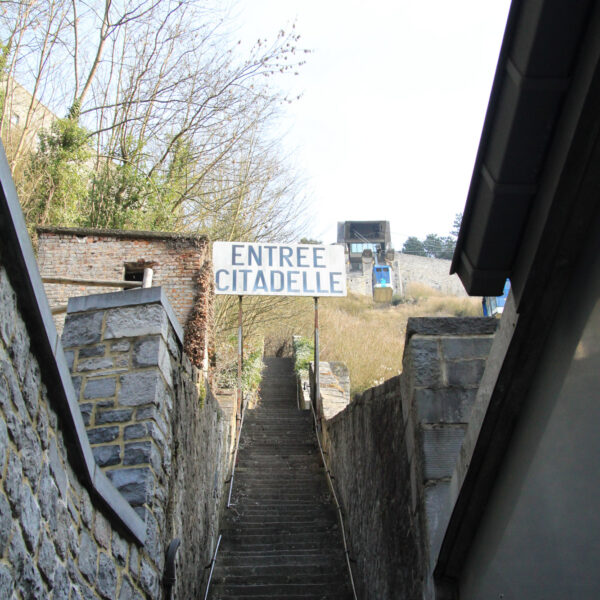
(181,266)
(538,537)
(392,453)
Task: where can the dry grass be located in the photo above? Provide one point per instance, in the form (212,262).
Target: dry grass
(368,337)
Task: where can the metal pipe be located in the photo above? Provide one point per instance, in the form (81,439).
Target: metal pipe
(337,504)
(212,567)
(92,282)
(240,362)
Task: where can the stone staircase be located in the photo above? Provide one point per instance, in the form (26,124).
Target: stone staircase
(281,537)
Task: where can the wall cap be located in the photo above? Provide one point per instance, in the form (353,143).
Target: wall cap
(135,297)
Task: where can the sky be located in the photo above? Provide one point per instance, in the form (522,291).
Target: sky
(394,95)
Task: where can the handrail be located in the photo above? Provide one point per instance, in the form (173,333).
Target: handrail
(212,567)
(235,453)
(337,504)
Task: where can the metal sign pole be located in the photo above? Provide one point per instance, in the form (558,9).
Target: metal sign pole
(240,363)
(317,385)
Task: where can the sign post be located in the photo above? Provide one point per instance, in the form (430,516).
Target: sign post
(253,269)
(240,394)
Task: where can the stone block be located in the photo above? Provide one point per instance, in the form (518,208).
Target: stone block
(137,453)
(119,548)
(82,328)
(134,432)
(102,530)
(102,387)
(88,556)
(47,558)
(86,413)
(30,518)
(61,584)
(440,447)
(135,484)
(107,577)
(7,583)
(5,523)
(141,387)
(136,321)
(31,455)
(145,352)
(92,351)
(445,405)
(102,435)
(99,363)
(464,373)
(106,456)
(437,509)
(113,416)
(460,348)
(424,361)
(120,346)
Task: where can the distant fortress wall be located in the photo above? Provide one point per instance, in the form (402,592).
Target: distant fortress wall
(407,269)
(433,272)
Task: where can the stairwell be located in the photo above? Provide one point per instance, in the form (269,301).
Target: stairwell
(281,537)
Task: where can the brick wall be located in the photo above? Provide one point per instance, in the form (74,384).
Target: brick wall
(178,262)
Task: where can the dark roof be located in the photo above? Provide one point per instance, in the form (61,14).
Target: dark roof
(535,68)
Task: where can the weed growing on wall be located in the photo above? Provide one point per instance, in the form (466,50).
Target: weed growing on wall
(304,352)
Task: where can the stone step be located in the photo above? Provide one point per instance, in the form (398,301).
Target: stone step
(281,537)
(281,590)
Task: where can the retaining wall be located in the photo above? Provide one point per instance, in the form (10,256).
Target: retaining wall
(392,452)
(56,538)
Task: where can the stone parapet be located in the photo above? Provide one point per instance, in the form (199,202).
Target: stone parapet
(392,452)
(444,360)
(147,422)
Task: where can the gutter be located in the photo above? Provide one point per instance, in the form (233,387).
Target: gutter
(540,46)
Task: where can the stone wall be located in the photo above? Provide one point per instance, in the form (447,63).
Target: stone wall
(57,540)
(366,453)
(407,269)
(162,444)
(392,452)
(432,272)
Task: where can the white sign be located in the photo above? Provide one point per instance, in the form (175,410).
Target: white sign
(246,269)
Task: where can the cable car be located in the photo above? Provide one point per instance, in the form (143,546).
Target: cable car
(494,305)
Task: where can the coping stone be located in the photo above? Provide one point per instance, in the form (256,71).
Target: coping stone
(135,297)
(450,326)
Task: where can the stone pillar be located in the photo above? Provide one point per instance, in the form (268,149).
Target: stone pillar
(444,360)
(122,349)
